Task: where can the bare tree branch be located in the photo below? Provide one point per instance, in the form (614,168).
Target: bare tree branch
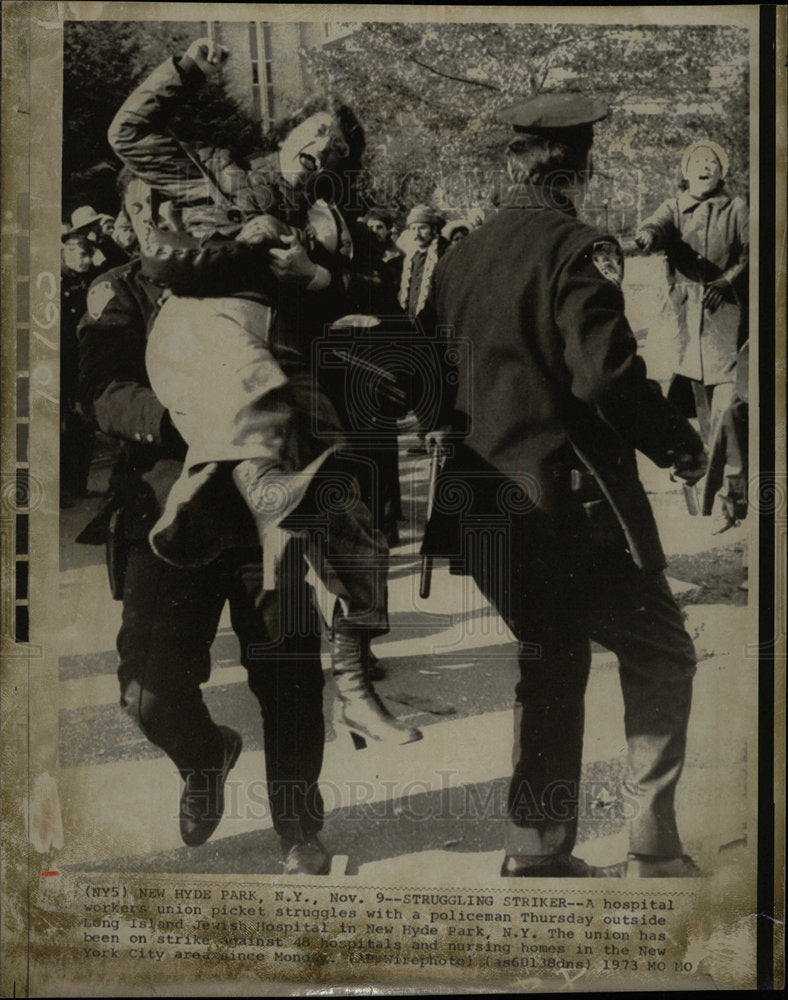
(458,79)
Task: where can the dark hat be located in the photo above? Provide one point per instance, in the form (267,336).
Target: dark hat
(550,112)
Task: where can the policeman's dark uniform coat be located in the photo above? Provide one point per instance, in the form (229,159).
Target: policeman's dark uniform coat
(76,441)
(541,503)
(170,615)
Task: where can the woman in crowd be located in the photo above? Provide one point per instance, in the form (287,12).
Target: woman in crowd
(704,233)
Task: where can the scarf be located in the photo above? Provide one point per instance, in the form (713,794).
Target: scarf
(426,278)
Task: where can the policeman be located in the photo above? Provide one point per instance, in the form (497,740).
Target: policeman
(540,499)
(170,615)
(77,271)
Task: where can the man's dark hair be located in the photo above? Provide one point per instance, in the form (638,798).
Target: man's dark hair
(80,239)
(381,215)
(343,185)
(547,157)
(345,118)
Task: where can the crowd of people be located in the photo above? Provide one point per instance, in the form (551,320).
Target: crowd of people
(254,472)
(91,243)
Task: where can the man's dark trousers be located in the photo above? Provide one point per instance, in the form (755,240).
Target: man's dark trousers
(170,618)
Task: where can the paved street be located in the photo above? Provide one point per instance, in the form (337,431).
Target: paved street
(430,811)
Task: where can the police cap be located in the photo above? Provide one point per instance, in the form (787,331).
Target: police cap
(551,112)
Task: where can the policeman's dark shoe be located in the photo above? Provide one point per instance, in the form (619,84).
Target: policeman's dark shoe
(548,866)
(202,802)
(648,866)
(187,533)
(306,857)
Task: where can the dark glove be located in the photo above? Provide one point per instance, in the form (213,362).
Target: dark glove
(646,239)
(715,293)
(690,468)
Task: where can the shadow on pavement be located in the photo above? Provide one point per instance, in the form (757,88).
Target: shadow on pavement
(468,819)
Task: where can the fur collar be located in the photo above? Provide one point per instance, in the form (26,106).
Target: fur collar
(426,278)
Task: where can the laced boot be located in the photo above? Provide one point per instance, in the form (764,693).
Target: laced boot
(363,712)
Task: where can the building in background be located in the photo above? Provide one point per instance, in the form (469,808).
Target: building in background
(273,79)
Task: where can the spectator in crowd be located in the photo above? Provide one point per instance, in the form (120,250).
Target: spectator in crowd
(556,530)
(77,271)
(383,451)
(124,234)
(98,228)
(76,258)
(454,232)
(380,223)
(704,233)
(426,248)
(424,225)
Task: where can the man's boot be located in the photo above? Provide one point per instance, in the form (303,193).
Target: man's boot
(363,712)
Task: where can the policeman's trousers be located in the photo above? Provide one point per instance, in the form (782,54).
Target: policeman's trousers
(557,591)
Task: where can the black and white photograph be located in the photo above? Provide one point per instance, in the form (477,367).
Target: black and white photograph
(390,529)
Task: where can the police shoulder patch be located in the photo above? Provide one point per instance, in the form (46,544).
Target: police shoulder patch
(608,259)
(99,297)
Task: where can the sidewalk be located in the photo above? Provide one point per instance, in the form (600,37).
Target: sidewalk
(430,811)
